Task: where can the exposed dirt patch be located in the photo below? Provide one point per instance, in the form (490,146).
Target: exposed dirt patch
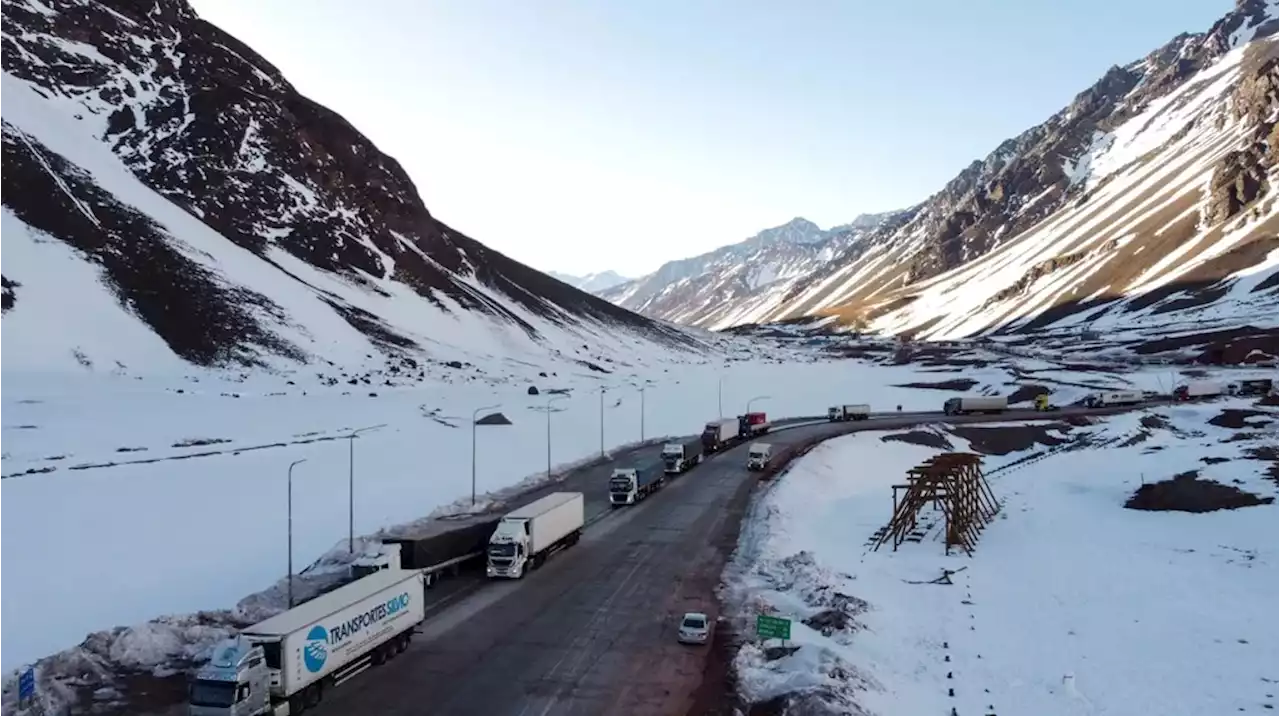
(1272,400)
(1267,453)
(1153,422)
(1027,391)
(1236,419)
(957,385)
(1004,440)
(1187,492)
(1214,460)
(919,437)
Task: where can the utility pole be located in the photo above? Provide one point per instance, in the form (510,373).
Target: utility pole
(475,415)
(602,390)
(547,409)
(289,510)
(720,396)
(351,484)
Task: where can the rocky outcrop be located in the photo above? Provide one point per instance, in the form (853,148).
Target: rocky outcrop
(1241,177)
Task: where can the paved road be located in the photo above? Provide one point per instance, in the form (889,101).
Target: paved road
(592,632)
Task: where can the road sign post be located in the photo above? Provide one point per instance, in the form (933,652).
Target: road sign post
(768,627)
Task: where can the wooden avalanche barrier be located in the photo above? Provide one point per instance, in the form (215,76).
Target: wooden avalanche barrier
(953,483)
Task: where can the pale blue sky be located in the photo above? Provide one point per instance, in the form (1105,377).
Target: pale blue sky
(590,135)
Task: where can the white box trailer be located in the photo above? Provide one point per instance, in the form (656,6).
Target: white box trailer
(525,537)
(976,404)
(1115,397)
(719,433)
(1199,389)
(292,657)
(840,413)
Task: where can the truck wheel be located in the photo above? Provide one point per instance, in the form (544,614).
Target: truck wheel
(313,695)
(403,642)
(297,704)
(378,657)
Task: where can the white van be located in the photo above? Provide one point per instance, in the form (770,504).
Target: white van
(758,455)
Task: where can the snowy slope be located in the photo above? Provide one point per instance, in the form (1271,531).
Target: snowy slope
(1150,198)
(170,201)
(711,290)
(1070,604)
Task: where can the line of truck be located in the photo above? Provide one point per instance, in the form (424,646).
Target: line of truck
(284,664)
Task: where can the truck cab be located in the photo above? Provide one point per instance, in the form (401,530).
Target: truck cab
(623,486)
(236,682)
(673,457)
(751,424)
(758,455)
(508,549)
(835,413)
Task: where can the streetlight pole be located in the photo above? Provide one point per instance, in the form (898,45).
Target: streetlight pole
(642,412)
(758,397)
(602,390)
(351,484)
(720,396)
(550,400)
(289,509)
(475,415)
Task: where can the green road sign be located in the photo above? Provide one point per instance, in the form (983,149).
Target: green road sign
(768,627)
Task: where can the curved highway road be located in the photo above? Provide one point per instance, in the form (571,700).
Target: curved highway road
(592,632)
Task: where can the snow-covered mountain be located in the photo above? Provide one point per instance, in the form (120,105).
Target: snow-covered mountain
(592,282)
(1151,195)
(706,290)
(170,200)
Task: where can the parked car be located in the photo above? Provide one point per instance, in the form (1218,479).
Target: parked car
(694,628)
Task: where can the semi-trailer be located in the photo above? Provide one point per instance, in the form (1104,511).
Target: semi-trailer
(719,434)
(439,548)
(628,485)
(752,424)
(527,536)
(1115,397)
(979,404)
(679,457)
(841,413)
(1199,389)
(1255,386)
(758,456)
(285,664)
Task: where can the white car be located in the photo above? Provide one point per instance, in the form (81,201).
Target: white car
(694,628)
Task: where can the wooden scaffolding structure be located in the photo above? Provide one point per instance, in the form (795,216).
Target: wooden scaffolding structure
(953,483)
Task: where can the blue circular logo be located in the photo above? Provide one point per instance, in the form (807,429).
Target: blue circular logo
(316,649)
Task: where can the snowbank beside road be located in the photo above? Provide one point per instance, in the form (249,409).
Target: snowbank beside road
(1071,603)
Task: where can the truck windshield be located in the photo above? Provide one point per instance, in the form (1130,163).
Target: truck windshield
(502,551)
(620,484)
(213,693)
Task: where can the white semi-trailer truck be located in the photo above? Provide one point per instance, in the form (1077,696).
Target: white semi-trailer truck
(841,413)
(678,458)
(284,664)
(627,485)
(978,404)
(719,434)
(525,537)
(1115,397)
(1199,389)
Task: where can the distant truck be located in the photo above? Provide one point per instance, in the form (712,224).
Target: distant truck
(1255,386)
(1194,389)
(1115,397)
(981,404)
(752,425)
(758,456)
(293,657)
(1043,405)
(841,413)
(678,458)
(527,536)
(627,485)
(719,434)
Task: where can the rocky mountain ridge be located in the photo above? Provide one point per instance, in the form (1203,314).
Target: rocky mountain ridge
(703,290)
(1174,155)
(250,225)
(592,282)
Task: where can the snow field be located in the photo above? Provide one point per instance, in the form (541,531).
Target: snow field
(1072,604)
(176,536)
